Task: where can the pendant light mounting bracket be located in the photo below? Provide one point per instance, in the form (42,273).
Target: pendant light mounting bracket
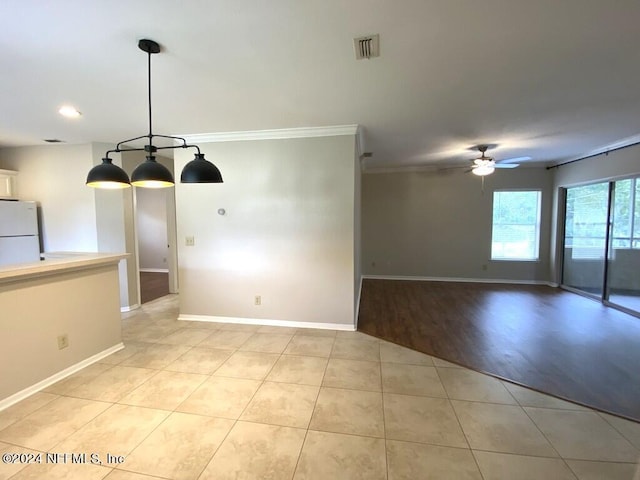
(149,46)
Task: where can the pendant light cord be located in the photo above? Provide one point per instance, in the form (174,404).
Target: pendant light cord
(149,91)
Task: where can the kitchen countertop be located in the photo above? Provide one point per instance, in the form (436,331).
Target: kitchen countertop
(58,262)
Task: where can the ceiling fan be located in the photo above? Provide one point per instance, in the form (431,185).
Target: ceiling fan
(485,165)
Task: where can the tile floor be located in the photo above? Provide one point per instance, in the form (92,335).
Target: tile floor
(188,400)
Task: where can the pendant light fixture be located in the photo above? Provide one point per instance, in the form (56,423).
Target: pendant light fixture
(150,173)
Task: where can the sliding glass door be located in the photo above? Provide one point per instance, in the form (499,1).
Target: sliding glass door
(623,269)
(602,242)
(585,238)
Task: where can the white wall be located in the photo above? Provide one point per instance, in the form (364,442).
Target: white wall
(54,176)
(288,233)
(438,224)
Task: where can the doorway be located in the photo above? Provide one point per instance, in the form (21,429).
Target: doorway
(602,242)
(156,240)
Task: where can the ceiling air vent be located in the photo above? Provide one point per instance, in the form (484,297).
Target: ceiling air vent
(367,47)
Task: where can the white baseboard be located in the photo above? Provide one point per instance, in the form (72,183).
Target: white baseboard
(128,308)
(464,280)
(154,270)
(27,392)
(266,321)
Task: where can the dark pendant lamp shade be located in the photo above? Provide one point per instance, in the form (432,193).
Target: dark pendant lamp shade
(200,170)
(151,174)
(107,175)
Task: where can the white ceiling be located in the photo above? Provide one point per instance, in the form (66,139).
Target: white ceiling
(550,79)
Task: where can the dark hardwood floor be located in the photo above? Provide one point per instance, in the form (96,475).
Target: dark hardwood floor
(545,338)
(153,285)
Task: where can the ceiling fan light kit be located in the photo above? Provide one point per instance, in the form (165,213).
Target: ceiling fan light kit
(150,173)
(483,170)
(484,165)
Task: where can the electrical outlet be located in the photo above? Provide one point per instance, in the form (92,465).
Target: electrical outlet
(63,341)
(189,241)
(257,300)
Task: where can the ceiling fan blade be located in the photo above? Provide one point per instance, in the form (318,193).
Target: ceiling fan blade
(515,159)
(506,165)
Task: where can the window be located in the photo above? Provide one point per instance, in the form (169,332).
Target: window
(516,225)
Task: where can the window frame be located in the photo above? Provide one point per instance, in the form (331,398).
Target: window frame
(537,225)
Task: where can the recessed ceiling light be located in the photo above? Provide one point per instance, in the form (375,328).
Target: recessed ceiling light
(69,111)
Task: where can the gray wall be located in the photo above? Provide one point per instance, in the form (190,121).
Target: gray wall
(75,217)
(430,224)
(54,176)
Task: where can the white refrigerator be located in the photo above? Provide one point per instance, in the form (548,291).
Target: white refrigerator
(19,238)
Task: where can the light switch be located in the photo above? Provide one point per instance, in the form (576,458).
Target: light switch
(189,241)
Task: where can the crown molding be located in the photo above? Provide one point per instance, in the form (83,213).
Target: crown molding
(276,134)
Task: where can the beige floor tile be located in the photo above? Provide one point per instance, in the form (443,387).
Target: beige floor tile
(501,428)
(355,335)
(252,365)
(211,326)
(439,362)
(66,385)
(392,353)
(220,397)
(113,384)
(314,346)
(283,404)
(25,407)
(530,398)
(341,457)
(239,327)
(422,419)
(354,374)
(151,334)
(123,475)
(156,356)
(266,342)
(165,390)
(463,384)
(200,360)
(411,380)
(186,336)
(356,349)
(278,330)
(129,350)
(62,471)
(53,422)
(227,339)
(180,447)
(348,411)
(498,466)
(628,429)
(117,431)
(298,369)
(16,462)
(410,461)
(253,450)
(316,332)
(586,470)
(582,435)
